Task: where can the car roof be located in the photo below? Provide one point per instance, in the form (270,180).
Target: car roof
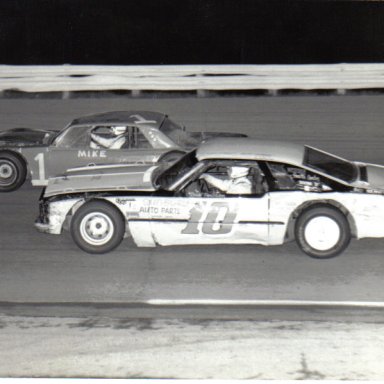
(251,149)
(121,117)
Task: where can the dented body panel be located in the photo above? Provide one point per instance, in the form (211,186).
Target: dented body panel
(153,220)
(107,177)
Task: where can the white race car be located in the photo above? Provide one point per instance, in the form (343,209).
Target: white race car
(281,192)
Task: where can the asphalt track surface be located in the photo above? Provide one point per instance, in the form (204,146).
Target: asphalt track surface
(200,312)
(40,268)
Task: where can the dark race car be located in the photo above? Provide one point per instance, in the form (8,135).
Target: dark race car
(144,137)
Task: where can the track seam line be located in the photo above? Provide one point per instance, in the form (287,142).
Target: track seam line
(314,303)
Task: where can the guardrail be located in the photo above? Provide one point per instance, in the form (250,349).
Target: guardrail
(69,78)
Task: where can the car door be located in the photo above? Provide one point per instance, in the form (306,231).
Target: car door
(75,149)
(197,216)
(183,220)
(70,149)
(64,153)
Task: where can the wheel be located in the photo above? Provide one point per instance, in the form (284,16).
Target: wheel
(97,227)
(13,172)
(322,232)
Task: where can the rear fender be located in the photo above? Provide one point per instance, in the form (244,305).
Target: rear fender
(15,153)
(289,235)
(19,156)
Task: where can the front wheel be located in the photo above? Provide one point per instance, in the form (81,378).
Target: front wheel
(322,232)
(13,172)
(97,227)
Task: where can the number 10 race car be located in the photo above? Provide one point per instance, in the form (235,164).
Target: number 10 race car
(228,191)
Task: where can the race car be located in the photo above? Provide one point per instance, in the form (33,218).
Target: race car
(146,137)
(285,191)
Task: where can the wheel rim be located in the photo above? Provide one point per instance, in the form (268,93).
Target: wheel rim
(8,172)
(96,228)
(322,233)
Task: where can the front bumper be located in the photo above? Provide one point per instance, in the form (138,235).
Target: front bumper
(43,223)
(43,227)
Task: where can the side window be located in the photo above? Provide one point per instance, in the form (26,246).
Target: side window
(288,177)
(118,137)
(103,137)
(102,131)
(229,179)
(283,180)
(218,171)
(137,139)
(200,188)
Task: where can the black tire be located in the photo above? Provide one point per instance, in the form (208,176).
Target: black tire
(13,172)
(322,232)
(97,227)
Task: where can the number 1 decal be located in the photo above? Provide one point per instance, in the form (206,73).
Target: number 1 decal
(40,159)
(219,220)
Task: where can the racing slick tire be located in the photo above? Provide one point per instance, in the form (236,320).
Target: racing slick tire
(322,232)
(97,227)
(13,172)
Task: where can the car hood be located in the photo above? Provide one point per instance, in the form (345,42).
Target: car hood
(127,177)
(189,140)
(208,135)
(26,137)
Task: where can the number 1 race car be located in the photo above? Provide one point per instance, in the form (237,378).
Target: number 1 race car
(149,137)
(290,192)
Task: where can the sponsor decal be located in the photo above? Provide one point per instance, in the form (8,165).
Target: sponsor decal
(160,210)
(91,153)
(122,201)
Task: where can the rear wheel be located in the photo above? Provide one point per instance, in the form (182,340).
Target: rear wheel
(322,232)
(97,227)
(13,172)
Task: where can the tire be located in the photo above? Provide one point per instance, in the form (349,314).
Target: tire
(97,227)
(13,172)
(322,232)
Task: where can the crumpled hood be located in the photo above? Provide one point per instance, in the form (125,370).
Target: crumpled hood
(26,137)
(127,177)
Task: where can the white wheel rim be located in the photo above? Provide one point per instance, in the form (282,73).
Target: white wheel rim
(96,228)
(322,233)
(7,172)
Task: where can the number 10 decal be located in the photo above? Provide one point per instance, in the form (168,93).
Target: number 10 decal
(219,220)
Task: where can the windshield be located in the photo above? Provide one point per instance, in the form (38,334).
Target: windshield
(176,171)
(331,165)
(177,134)
(73,137)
